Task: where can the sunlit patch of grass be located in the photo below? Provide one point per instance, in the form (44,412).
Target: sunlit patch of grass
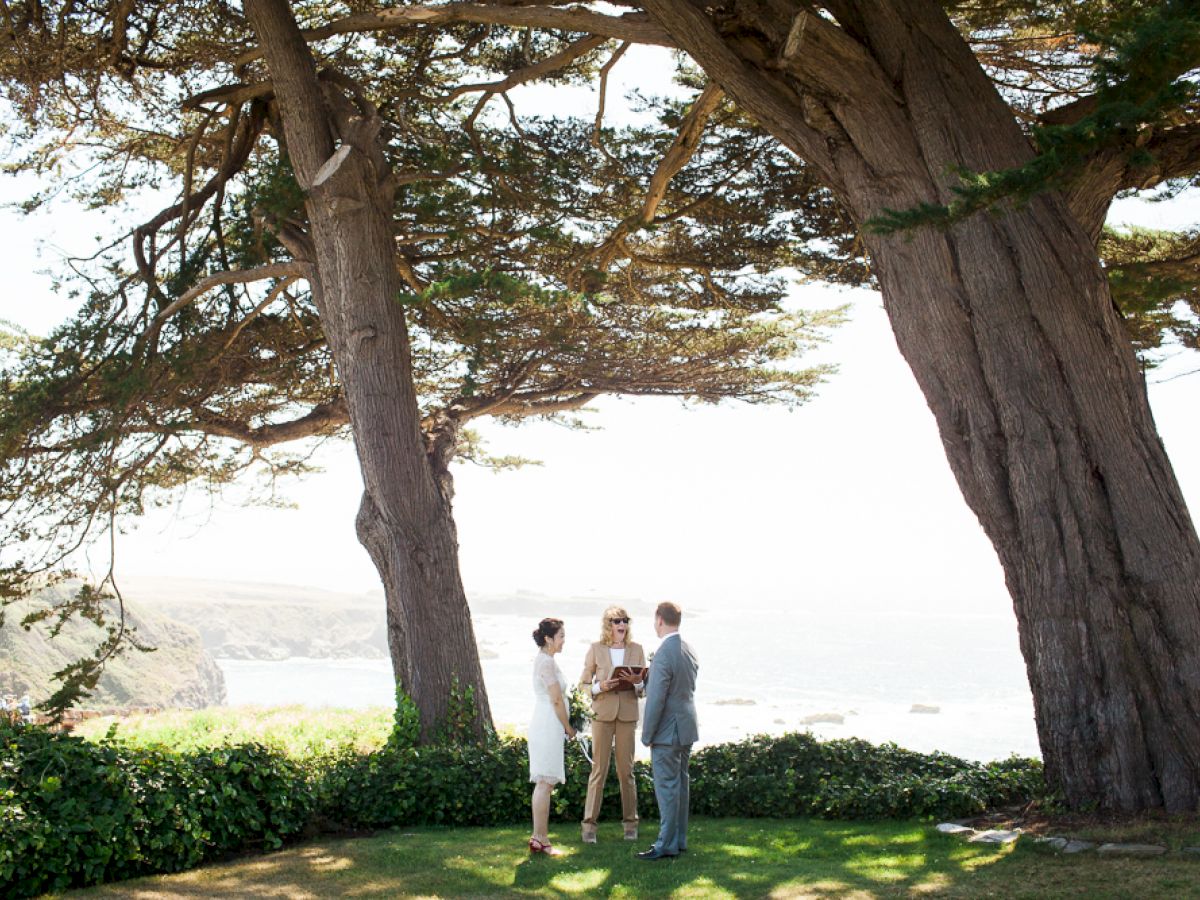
(701,887)
(326,863)
(741,851)
(881,840)
(797,889)
(934,883)
(983,856)
(885,869)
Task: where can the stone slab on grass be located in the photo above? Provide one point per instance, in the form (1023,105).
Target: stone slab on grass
(994,836)
(954,828)
(1057,843)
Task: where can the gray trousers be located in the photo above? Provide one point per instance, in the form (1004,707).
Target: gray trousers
(671,787)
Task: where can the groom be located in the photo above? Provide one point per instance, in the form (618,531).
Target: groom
(669,729)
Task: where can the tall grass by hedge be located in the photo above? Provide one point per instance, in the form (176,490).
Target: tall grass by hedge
(74,812)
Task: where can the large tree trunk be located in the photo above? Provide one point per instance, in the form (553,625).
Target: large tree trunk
(1008,325)
(405,520)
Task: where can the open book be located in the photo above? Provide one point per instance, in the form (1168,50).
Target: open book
(630,676)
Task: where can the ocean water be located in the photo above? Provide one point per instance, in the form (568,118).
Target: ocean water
(760,673)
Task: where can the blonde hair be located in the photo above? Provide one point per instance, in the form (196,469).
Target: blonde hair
(606,630)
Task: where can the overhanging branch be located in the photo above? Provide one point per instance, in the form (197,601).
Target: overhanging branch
(323,419)
(237,276)
(636,27)
(682,149)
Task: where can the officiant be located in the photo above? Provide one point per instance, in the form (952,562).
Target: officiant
(614,672)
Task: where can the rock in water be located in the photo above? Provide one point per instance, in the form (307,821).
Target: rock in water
(826,718)
(922,708)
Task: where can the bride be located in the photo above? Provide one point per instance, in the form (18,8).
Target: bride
(550,724)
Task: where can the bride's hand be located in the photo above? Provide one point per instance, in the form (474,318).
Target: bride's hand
(570,732)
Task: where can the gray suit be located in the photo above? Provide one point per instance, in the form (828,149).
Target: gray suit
(669,728)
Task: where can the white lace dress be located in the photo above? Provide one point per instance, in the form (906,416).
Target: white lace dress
(546,734)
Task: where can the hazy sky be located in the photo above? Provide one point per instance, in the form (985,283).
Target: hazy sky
(847,500)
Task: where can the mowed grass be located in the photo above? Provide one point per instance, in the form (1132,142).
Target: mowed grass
(728,858)
(297,731)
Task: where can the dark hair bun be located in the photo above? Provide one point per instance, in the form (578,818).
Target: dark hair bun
(546,630)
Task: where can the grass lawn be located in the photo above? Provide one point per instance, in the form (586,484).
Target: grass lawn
(729,858)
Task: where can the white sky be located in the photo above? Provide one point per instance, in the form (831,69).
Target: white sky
(846,501)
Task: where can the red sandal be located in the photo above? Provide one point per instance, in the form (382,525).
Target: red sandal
(537,846)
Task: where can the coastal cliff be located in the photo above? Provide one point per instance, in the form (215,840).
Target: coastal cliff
(179,671)
(246,620)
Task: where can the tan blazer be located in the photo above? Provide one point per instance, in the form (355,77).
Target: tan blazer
(611,705)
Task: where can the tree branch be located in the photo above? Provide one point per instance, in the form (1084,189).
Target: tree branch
(634,27)
(519,406)
(1176,153)
(682,149)
(1173,153)
(604,73)
(231,94)
(686,142)
(553,63)
(287,270)
(247,129)
(323,419)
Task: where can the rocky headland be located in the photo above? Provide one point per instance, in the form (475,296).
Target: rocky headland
(178,672)
(244,620)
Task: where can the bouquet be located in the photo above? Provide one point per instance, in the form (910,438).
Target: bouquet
(580,715)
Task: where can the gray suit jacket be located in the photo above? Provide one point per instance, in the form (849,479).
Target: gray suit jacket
(670,716)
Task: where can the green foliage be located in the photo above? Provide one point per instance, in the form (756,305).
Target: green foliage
(1140,56)
(797,775)
(460,723)
(792,775)
(78,677)
(406,726)
(535,279)
(1155,282)
(75,813)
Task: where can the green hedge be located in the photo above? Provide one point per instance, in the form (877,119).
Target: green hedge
(797,775)
(76,813)
(775,777)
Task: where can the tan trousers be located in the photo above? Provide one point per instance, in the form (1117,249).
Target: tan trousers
(604,736)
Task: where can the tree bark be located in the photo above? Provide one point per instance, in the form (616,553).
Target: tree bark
(404,520)
(1009,327)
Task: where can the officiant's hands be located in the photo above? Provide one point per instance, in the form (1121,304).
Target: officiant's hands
(610,685)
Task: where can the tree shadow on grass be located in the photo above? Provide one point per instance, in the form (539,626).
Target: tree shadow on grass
(728,858)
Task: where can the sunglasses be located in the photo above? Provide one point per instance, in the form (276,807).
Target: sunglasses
(624,621)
